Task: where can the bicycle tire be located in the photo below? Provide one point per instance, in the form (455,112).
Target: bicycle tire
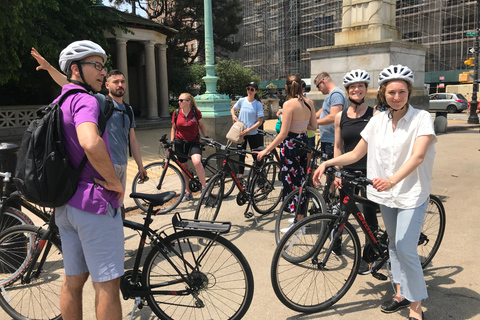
(13,217)
(221,277)
(173,181)
(211,199)
(213,164)
(39,299)
(433,229)
(308,286)
(316,205)
(267,188)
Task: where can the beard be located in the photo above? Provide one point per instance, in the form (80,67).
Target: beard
(117,93)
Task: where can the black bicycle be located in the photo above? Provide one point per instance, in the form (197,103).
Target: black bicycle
(262,188)
(165,176)
(194,273)
(10,214)
(317,260)
(305,200)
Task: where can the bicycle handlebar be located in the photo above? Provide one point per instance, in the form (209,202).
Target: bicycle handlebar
(355,178)
(266,133)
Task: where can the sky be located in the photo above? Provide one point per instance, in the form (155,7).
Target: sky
(127,7)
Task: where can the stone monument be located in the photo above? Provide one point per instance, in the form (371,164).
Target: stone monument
(369,40)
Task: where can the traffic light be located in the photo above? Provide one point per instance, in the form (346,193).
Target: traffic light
(469,62)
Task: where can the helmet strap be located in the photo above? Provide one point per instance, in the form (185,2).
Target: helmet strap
(84,83)
(356,103)
(394,110)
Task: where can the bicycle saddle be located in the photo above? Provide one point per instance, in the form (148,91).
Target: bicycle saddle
(156,199)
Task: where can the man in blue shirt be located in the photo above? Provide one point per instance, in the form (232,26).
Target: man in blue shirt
(334,102)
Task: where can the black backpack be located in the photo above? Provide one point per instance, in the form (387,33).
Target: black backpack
(44,174)
(110,107)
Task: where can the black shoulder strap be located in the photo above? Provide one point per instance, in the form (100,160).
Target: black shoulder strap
(109,107)
(176,116)
(102,122)
(306,104)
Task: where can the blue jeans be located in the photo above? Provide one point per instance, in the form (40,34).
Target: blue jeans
(404,227)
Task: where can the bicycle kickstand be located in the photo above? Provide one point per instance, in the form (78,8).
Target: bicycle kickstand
(250,214)
(138,301)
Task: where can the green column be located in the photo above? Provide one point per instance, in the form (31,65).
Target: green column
(211,103)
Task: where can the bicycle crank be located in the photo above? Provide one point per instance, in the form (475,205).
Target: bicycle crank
(194,185)
(242,198)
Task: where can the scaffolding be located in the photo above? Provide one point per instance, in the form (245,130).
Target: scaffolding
(442,26)
(277,33)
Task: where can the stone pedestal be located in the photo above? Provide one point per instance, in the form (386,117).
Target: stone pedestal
(373,57)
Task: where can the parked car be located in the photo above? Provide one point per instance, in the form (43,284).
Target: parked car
(450,102)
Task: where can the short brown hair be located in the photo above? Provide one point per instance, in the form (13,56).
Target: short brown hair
(322,76)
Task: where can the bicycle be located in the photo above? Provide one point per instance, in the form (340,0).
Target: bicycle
(310,200)
(158,180)
(9,214)
(310,272)
(268,138)
(262,188)
(194,273)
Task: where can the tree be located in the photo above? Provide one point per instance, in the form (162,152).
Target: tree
(234,78)
(49,26)
(187,17)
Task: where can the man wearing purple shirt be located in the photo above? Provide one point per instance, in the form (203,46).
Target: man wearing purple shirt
(90,224)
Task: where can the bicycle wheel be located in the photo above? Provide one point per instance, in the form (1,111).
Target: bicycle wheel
(267,188)
(210,199)
(173,181)
(311,285)
(13,217)
(432,231)
(211,269)
(213,164)
(40,298)
(314,204)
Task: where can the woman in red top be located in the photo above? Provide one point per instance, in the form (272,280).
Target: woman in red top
(185,132)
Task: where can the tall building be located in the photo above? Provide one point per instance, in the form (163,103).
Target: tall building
(276,34)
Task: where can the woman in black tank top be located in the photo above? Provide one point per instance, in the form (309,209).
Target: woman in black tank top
(348,125)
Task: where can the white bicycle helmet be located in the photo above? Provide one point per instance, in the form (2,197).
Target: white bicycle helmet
(395,72)
(79,50)
(356,76)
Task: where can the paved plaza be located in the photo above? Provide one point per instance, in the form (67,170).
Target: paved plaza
(452,278)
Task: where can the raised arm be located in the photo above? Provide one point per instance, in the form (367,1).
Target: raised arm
(43,64)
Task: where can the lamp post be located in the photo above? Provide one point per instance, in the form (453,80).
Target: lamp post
(473,118)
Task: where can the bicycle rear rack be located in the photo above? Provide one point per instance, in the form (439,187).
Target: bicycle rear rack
(200,225)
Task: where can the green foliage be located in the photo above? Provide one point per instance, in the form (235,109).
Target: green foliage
(234,78)
(49,26)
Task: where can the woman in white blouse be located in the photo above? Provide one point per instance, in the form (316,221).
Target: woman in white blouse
(400,145)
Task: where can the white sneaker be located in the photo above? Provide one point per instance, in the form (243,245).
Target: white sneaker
(291,220)
(285,230)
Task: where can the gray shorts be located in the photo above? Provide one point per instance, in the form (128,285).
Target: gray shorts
(121,171)
(92,242)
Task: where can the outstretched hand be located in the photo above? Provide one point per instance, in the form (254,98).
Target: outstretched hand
(42,63)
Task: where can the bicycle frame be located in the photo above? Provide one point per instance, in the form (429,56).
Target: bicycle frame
(171,155)
(349,207)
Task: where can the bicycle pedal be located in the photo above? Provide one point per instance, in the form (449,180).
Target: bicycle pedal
(379,276)
(248,215)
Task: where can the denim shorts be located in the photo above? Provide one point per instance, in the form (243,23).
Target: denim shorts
(91,242)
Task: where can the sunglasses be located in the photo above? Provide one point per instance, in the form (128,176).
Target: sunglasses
(250,89)
(181,100)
